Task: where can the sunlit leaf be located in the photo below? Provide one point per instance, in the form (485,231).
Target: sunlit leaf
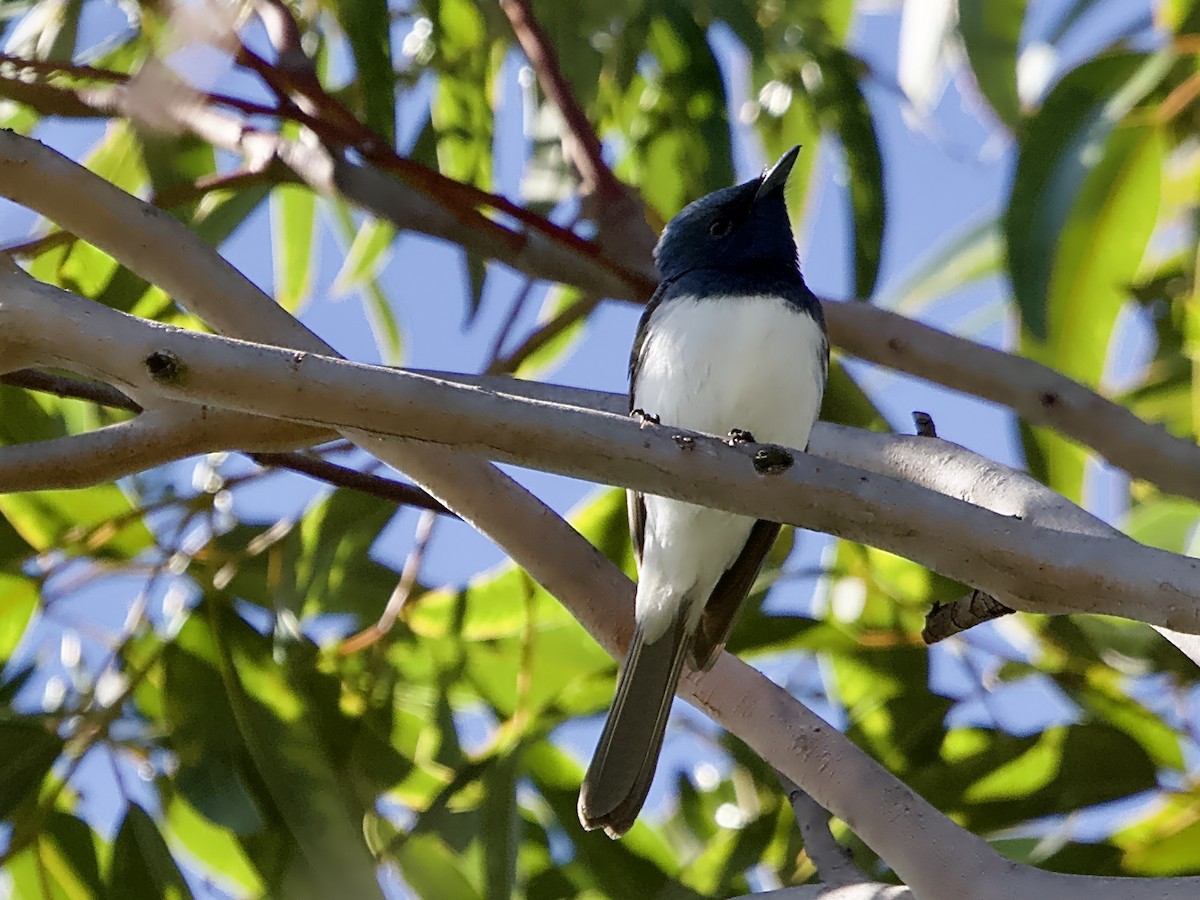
(462,107)
(1084,202)
(543,360)
(216,849)
(366,257)
(99,520)
(18,600)
(293,227)
(681,131)
(972,254)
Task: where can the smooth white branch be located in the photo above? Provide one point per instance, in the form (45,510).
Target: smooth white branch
(1026,566)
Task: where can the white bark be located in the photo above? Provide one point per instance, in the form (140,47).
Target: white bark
(1026,566)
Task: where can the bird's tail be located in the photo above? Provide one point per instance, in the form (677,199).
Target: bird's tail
(622,768)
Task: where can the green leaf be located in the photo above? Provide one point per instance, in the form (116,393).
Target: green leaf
(293,230)
(209,847)
(462,107)
(367,255)
(61,864)
(18,601)
(142,865)
(993,780)
(1181,16)
(680,132)
(367,24)
(1167,842)
(972,254)
(843,109)
(432,869)
(277,726)
(1164,522)
(1064,143)
(1083,206)
(334,571)
(500,822)
(28,750)
(365,259)
(639,865)
(475,270)
(845,403)
(991,30)
(545,359)
(101,517)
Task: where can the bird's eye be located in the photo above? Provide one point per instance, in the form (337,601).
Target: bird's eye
(720,228)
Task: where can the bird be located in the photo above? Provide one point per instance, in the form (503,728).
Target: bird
(733,343)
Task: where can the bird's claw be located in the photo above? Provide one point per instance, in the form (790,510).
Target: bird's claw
(740,436)
(644,418)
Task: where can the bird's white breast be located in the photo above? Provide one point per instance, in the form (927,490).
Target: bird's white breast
(735,362)
(712,365)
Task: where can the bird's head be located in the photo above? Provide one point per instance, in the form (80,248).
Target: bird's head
(746,223)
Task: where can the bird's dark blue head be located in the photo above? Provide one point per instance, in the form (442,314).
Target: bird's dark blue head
(732,228)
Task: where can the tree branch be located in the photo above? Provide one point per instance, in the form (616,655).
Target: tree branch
(1025,566)
(833,861)
(1038,394)
(342,476)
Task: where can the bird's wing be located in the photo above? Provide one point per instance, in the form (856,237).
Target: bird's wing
(637,504)
(637,523)
(719,612)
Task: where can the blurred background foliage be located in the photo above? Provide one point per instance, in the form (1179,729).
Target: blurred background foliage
(207,734)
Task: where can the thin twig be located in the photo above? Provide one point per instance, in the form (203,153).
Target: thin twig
(924,423)
(543,335)
(585,148)
(74,388)
(514,311)
(399,598)
(342,476)
(948,619)
(834,863)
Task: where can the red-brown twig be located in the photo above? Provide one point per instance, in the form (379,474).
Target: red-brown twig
(585,149)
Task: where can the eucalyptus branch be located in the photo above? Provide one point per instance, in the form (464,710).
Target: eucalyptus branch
(834,863)
(1035,392)
(1028,567)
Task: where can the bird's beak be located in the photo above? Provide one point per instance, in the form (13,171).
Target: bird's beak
(776,176)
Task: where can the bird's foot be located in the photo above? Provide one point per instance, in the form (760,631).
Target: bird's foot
(740,436)
(644,418)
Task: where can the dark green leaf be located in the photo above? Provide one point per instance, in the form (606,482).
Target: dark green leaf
(843,109)
(277,726)
(367,24)
(991,30)
(142,865)
(28,750)
(500,822)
